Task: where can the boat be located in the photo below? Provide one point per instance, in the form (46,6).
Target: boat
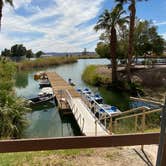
(40,99)
(44,83)
(95,97)
(40,75)
(85,91)
(71,82)
(108,109)
(45,95)
(42,79)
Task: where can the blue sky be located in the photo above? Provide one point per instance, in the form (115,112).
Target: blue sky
(65,25)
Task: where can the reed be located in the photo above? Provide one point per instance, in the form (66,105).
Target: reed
(93,76)
(45,62)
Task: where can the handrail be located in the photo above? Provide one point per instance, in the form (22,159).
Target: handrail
(133,110)
(39,144)
(139,114)
(95,104)
(146,100)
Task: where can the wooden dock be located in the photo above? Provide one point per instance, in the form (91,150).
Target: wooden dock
(58,84)
(70,101)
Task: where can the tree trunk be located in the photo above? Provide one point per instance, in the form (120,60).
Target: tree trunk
(1,6)
(131,38)
(113,42)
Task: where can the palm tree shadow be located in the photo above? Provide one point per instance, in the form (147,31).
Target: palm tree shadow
(144,157)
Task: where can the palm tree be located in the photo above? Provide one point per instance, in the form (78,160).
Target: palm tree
(1,7)
(132,9)
(110,21)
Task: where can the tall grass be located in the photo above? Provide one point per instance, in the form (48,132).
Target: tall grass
(45,62)
(92,76)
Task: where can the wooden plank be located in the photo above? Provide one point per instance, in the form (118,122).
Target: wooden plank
(132,111)
(146,100)
(77,142)
(58,83)
(139,114)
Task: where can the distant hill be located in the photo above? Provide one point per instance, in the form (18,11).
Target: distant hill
(66,53)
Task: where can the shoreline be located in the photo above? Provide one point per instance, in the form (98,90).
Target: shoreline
(100,75)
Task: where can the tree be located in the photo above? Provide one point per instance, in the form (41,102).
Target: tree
(147,40)
(6,53)
(29,54)
(39,54)
(18,50)
(110,21)
(103,50)
(1,7)
(132,9)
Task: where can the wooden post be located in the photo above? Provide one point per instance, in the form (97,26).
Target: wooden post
(163,162)
(136,121)
(105,122)
(95,127)
(161,156)
(143,126)
(115,125)
(143,121)
(110,125)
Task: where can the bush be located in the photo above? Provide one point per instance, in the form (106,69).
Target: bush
(12,109)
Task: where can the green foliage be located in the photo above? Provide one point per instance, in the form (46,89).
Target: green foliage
(18,50)
(90,76)
(12,109)
(147,39)
(6,53)
(103,50)
(38,54)
(29,54)
(45,62)
(23,76)
(93,77)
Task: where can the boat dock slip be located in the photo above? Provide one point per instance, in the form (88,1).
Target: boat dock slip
(69,99)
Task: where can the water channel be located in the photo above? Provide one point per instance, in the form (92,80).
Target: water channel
(45,121)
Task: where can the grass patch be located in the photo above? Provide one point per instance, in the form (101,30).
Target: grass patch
(37,158)
(94,76)
(45,62)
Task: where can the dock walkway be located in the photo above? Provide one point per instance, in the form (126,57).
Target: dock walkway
(72,101)
(58,84)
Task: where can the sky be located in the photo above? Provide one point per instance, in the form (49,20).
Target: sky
(65,25)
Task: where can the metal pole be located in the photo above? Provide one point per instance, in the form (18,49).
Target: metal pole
(161,158)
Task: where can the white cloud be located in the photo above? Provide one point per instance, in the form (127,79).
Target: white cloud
(63,34)
(160,23)
(164,35)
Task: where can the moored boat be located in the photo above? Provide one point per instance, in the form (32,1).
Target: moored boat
(44,83)
(45,95)
(108,109)
(95,97)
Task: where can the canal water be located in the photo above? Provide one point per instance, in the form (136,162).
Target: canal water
(45,120)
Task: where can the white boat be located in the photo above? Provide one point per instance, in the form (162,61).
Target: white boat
(44,83)
(84,91)
(95,97)
(45,95)
(108,109)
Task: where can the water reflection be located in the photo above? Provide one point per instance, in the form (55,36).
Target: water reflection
(45,120)
(21,79)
